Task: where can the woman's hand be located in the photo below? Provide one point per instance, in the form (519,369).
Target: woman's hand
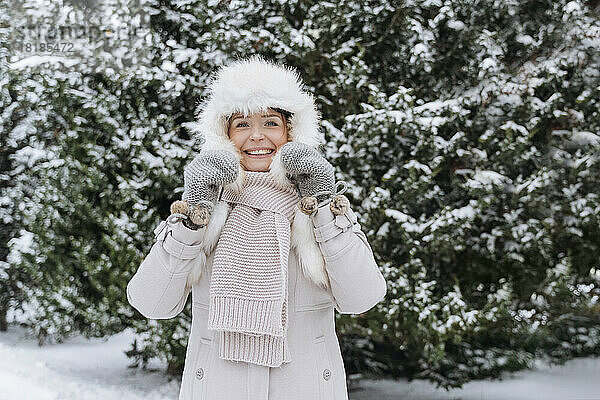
(314,176)
(203,177)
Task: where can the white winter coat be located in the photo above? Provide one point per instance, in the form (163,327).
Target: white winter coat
(316,372)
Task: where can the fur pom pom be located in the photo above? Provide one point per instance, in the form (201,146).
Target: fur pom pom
(339,205)
(180,207)
(200,214)
(308,205)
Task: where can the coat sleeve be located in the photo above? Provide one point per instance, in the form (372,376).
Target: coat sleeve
(356,282)
(158,288)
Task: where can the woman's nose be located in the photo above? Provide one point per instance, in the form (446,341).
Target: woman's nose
(256,133)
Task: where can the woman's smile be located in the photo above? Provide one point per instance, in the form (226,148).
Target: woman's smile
(259,152)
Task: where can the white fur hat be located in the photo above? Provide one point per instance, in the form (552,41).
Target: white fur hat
(252,85)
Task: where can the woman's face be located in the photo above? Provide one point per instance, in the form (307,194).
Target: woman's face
(258,137)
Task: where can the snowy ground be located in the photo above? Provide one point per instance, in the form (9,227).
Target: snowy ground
(82,369)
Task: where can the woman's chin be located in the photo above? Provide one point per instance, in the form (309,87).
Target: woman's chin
(257,164)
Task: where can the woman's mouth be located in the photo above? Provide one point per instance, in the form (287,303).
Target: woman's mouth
(259,153)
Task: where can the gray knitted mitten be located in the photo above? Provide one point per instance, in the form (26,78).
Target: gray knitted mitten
(313,174)
(203,177)
(315,178)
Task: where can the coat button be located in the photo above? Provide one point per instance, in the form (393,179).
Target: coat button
(326,374)
(199,373)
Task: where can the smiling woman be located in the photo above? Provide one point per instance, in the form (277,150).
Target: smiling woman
(265,243)
(258,137)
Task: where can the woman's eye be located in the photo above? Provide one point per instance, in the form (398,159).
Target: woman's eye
(245,124)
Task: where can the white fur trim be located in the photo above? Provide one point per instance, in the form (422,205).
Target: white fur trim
(310,257)
(214,226)
(236,186)
(278,170)
(209,241)
(196,272)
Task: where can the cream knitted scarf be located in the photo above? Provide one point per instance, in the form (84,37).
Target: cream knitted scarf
(248,287)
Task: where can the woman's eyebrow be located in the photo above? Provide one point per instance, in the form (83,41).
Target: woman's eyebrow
(262,116)
(236,117)
(270,115)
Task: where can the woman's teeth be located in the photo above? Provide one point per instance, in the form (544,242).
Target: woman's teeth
(259,152)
